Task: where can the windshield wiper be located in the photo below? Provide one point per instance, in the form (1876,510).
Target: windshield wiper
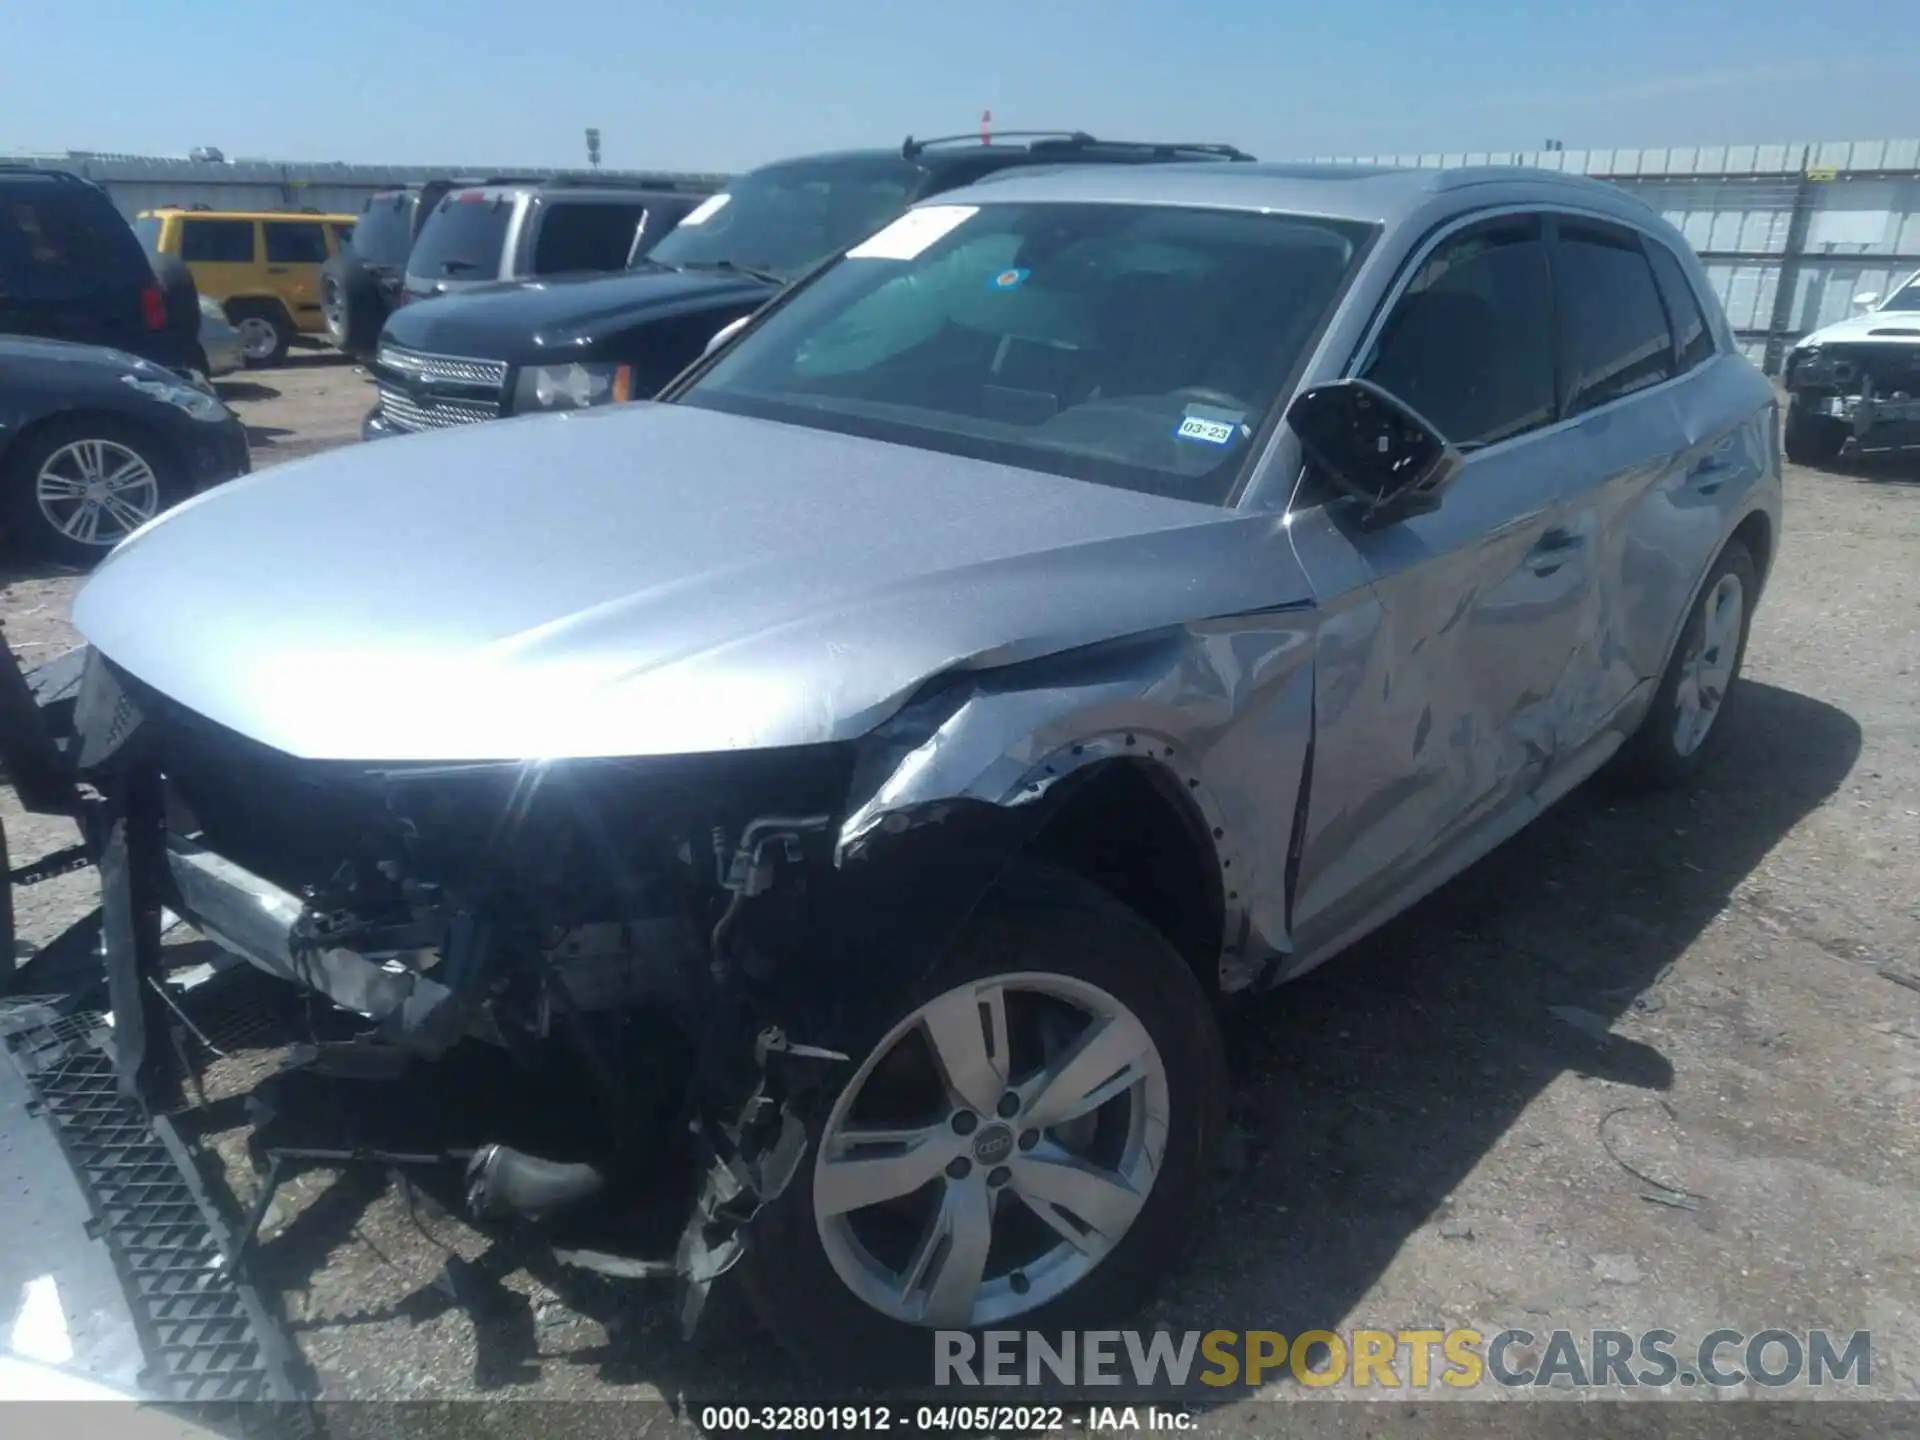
(757,272)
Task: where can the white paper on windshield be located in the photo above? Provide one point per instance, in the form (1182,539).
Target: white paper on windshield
(912,233)
(706,209)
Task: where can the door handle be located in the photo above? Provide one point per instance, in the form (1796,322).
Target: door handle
(1553,550)
(1710,473)
(276,269)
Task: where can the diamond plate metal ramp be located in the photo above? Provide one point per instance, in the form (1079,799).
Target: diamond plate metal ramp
(207,1336)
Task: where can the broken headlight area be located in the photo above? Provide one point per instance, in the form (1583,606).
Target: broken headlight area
(646,928)
(1865,384)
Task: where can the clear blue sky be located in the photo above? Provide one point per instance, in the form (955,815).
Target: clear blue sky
(725,84)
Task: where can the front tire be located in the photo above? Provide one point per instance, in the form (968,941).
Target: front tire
(1027,1146)
(1687,713)
(1812,439)
(77,487)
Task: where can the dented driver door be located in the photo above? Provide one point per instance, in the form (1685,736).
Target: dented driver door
(1435,702)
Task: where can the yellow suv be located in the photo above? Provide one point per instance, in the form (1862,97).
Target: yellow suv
(262,266)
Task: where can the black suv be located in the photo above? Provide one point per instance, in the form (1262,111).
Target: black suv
(360,286)
(72,269)
(561,344)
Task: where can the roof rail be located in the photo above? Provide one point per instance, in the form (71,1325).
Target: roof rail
(910,148)
(11,167)
(1164,149)
(623,182)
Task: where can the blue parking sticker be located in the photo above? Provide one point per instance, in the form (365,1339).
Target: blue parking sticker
(1007,279)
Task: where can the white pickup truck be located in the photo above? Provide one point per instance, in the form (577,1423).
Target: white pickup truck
(1856,385)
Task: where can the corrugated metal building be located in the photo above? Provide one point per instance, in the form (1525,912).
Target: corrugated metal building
(143,182)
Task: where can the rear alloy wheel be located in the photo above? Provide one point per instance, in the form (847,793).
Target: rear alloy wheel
(265,335)
(81,487)
(1024,1146)
(1686,710)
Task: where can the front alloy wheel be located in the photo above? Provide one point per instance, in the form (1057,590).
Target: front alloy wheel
(96,492)
(993,1150)
(1026,1142)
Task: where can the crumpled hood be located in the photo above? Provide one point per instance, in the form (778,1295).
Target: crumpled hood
(1896,327)
(650,579)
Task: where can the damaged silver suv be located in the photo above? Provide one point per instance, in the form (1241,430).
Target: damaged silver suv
(1098,595)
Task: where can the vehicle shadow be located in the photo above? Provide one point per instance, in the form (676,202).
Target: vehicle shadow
(244,391)
(1366,1093)
(1878,467)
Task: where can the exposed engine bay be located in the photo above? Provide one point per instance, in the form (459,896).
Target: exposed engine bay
(682,944)
(1866,391)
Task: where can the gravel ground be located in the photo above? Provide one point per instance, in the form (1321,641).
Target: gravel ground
(1657,1064)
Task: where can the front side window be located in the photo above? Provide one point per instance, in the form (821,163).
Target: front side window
(226,242)
(296,242)
(1469,344)
(785,218)
(1614,329)
(586,235)
(1129,345)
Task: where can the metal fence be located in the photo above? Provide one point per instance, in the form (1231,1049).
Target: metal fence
(1789,233)
(141,182)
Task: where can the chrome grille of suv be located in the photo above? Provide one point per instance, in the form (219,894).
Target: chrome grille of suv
(419,391)
(444,369)
(400,408)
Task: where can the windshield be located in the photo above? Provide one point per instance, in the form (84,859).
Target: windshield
(785,218)
(384,232)
(147,231)
(1907,297)
(1133,346)
(463,238)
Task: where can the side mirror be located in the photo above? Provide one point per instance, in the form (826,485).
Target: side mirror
(1866,299)
(1382,453)
(725,333)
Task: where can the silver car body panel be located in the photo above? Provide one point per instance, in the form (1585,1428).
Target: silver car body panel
(1353,715)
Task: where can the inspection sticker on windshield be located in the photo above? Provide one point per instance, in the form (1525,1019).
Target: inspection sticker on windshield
(913,232)
(1007,279)
(706,209)
(1213,427)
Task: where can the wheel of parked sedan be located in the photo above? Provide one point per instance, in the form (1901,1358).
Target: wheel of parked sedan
(1025,1146)
(78,487)
(1688,708)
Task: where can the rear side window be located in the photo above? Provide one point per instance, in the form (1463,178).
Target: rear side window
(1614,330)
(57,241)
(1470,343)
(227,242)
(585,236)
(1694,339)
(463,238)
(147,231)
(295,242)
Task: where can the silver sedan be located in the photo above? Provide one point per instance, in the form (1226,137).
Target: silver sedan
(219,339)
(1100,595)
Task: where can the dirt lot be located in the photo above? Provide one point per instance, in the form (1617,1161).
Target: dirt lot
(1655,1064)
